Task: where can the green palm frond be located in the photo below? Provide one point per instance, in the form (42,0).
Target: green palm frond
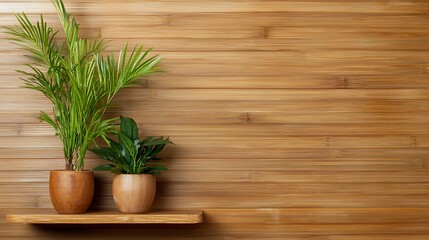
(77,79)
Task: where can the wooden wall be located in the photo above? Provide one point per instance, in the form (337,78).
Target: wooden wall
(292,119)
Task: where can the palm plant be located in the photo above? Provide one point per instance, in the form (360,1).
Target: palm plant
(77,79)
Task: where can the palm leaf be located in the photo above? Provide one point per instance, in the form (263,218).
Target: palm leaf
(77,79)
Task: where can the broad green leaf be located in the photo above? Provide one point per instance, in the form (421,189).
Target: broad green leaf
(155,151)
(157,141)
(157,169)
(128,150)
(147,139)
(105,153)
(129,128)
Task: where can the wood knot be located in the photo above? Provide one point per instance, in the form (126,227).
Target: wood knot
(413,141)
(146,83)
(345,82)
(328,142)
(247,118)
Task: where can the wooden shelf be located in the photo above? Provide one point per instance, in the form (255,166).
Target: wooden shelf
(48,216)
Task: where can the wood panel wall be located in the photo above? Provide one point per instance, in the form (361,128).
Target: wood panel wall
(292,119)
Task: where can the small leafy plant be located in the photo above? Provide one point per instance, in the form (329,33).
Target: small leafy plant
(131,155)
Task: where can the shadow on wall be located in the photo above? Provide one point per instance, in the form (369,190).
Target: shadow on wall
(116,231)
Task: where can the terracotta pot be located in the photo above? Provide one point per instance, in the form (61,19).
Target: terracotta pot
(71,191)
(134,193)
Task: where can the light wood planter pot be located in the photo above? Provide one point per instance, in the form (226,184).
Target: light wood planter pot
(71,191)
(134,193)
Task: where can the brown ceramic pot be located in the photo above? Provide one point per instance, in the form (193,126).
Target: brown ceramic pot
(71,191)
(134,193)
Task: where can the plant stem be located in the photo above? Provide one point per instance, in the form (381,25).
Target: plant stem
(69,164)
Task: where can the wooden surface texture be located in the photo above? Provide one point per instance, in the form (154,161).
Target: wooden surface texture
(49,216)
(295,120)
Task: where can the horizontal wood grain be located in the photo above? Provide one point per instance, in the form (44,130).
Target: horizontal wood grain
(405,43)
(268,216)
(286,176)
(322,163)
(244,130)
(134,7)
(296,120)
(334,32)
(316,215)
(248,117)
(298,19)
(171,189)
(181,32)
(92,21)
(285,57)
(243,95)
(258,69)
(269,82)
(51,217)
(250,142)
(315,200)
(294,231)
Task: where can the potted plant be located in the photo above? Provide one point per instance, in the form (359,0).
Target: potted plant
(81,84)
(135,163)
